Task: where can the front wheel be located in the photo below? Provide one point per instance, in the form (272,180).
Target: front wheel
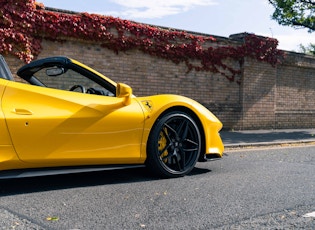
(174,145)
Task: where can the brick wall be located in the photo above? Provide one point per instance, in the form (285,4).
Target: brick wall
(268,97)
(258,95)
(294,98)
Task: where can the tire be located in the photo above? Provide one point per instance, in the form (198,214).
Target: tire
(173,146)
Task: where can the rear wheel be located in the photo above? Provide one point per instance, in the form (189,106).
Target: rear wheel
(174,145)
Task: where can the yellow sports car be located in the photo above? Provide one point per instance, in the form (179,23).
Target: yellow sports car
(66,117)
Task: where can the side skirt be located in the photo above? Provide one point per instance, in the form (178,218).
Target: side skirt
(22,173)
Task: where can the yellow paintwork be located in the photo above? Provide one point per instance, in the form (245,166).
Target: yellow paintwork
(7,152)
(211,124)
(45,127)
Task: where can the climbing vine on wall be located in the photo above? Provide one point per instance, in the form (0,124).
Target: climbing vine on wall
(17,29)
(24,23)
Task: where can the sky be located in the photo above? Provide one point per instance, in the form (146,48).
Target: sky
(214,17)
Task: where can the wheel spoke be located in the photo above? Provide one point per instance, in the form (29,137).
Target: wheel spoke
(179,164)
(191,142)
(170,129)
(162,152)
(190,150)
(182,130)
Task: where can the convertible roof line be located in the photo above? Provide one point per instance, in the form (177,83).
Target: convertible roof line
(34,66)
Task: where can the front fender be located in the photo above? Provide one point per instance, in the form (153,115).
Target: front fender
(155,106)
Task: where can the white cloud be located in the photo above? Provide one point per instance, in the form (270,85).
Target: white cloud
(290,39)
(291,43)
(135,9)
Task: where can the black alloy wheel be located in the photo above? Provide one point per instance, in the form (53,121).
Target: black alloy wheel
(174,145)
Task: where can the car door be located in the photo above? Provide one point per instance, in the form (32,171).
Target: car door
(6,150)
(58,127)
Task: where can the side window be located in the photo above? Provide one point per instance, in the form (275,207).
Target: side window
(70,79)
(65,80)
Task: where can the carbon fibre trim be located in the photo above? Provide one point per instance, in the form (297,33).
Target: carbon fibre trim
(22,173)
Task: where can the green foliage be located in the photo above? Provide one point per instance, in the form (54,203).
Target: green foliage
(295,13)
(310,49)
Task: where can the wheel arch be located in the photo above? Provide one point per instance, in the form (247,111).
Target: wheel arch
(195,117)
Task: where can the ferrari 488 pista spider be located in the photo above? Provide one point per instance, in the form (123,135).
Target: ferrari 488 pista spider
(65,117)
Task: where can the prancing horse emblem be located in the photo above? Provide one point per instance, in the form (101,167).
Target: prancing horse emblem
(148,105)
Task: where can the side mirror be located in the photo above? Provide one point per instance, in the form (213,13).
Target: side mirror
(124,91)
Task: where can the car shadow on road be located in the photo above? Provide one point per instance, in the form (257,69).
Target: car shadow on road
(10,187)
(198,171)
(68,181)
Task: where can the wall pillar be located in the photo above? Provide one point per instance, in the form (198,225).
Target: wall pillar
(258,90)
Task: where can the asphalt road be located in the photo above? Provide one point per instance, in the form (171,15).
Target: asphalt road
(248,189)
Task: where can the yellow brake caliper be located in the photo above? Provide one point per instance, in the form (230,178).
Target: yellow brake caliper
(162,144)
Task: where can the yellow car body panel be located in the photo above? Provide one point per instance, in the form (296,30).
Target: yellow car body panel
(70,133)
(7,152)
(44,127)
(154,106)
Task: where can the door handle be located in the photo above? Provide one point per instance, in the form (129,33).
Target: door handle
(22,112)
